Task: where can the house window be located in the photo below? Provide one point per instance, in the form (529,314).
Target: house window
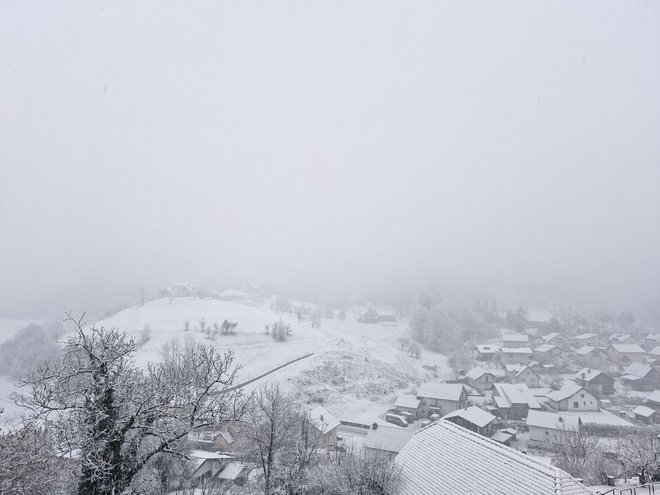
(576,405)
(582,396)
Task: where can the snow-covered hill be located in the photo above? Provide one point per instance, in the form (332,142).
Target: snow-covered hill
(356,370)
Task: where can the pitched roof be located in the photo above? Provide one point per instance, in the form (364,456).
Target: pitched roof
(552,420)
(655,351)
(584,350)
(525,368)
(324,420)
(515,337)
(516,350)
(551,336)
(514,393)
(628,348)
(474,415)
(569,389)
(545,348)
(475,465)
(441,391)
(407,400)
(654,397)
(588,374)
(647,412)
(585,336)
(487,348)
(388,438)
(638,369)
(476,373)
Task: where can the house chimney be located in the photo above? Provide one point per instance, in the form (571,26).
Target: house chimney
(374,426)
(321,417)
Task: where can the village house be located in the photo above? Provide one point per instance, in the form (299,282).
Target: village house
(407,403)
(625,353)
(486,352)
(654,354)
(621,338)
(653,400)
(546,428)
(218,467)
(651,340)
(573,397)
(515,340)
(592,339)
(369,316)
(387,439)
(528,376)
(646,414)
(515,355)
(590,356)
(480,379)
(474,464)
(441,398)
(513,400)
(327,425)
(555,338)
(595,381)
(473,418)
(547,353)
(641,377)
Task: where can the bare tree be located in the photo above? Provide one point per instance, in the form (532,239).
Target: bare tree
(315,317)
(28,464)
(283,440)
(120,417)
(638,451)
(577,451)
(364,473)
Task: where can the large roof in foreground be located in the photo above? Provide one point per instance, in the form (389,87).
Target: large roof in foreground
(447,459)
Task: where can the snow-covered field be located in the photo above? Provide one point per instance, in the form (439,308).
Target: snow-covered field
(357,369)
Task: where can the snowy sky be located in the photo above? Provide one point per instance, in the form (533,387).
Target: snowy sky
(338,145)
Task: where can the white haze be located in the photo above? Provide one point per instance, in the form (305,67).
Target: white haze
(329,148)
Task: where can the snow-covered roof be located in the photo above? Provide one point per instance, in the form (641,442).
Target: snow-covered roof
(324,420)
(487,348)
(644,411)
(638,369)
(514,393)
(585,336)
(653,337)
(232,471)
(475,465)
(545,348)
(628,348)
(525,368)
(388,438)
(501,436)
(441,391)
(584,350)
(654,397)
(515,337)
(569,389)
(620,337)
(551,336)
(474,415)
(408,401)
(205,454)
(516,350)
(655,351)
(476,373)
(588,374)
(552,420)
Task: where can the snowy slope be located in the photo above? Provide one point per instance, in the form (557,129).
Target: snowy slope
(357,369)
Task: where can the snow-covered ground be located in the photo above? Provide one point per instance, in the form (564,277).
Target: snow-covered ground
(357,369)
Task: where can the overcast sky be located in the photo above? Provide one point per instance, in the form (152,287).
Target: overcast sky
(335,146)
